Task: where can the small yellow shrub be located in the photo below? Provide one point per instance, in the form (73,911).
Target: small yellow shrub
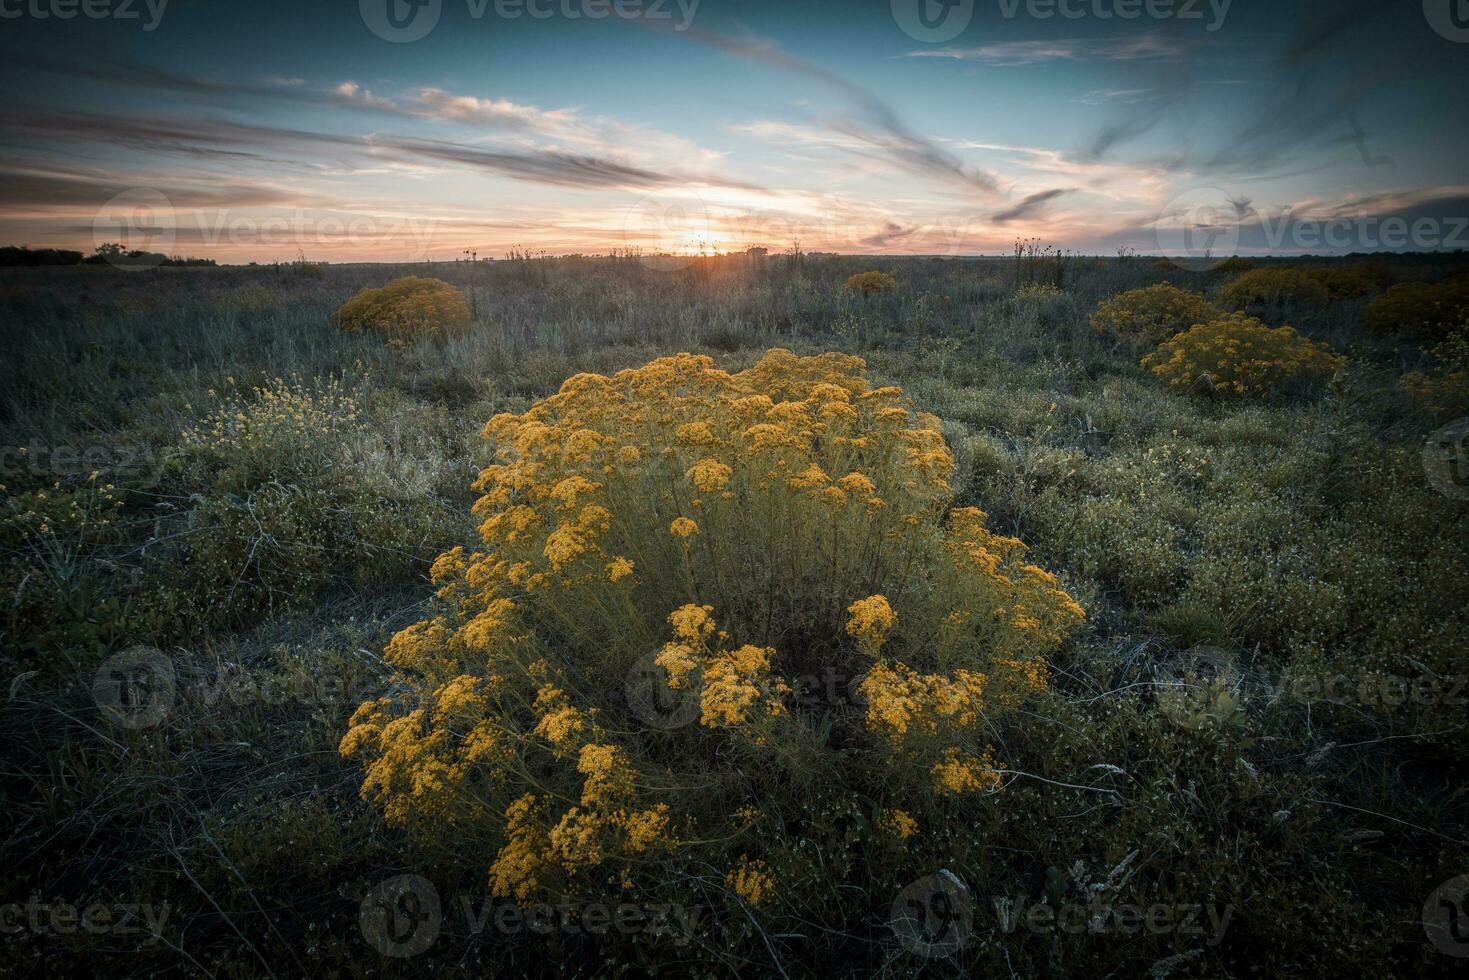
(867,283)
(1432,309)
(1444,392)
(1351,281)
(1239,355)
(407,309)
(722,537)
(1274,284)
(1235,263)
(1445,395)
(1154,313)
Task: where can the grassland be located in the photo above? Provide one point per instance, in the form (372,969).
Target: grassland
(1263,720)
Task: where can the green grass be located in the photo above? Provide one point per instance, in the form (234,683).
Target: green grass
(1228,733)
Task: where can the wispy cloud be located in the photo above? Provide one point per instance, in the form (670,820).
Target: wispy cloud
(878,128)
(544,166)
(1116,96)
(1028,205)
(198,137)
(1135,47)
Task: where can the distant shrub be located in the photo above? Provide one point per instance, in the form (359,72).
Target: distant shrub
(1239,355)
(407,309)
(1154,313)
(612,692)
(1234,264)
(1165,265)
(868,283)
(1352,281)
(1042,304)
(1274,285)
(1432,309)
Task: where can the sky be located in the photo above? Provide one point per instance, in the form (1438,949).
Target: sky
(404,130)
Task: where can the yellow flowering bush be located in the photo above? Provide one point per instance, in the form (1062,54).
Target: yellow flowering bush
(407,309)
(1274,284)
(618,675)
(1351,281)
(867,283)
(1153,313)
(1432,309)
(1444,391)
(1239,355)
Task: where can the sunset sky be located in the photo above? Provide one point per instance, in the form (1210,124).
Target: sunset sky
(254,131)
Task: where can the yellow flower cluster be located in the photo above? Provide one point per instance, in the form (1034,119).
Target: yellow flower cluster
(959,773)
(1152,314)
(1239,355)
(870,621)
(734,686)
(751,881)
(407,309)
(868,283)
(901,701)
(811,511)
(897,823)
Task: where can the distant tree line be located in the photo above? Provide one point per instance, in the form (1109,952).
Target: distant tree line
(12,256)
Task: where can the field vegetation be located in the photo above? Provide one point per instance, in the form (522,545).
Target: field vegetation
(748,598)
